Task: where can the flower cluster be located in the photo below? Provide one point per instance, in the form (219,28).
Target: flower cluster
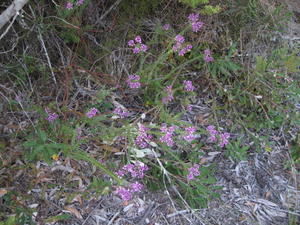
(120,112)
(222,136)
(137,45)
(168,133)
(178,47)
(169,96)
(193,172)
(188,85)
(50,116)
(92,112)
(194,20)
(127,193)
(70,5)
(143,138)
(166,27)
(189,136)
(136,170)
(133,81)
(224,139)
(212,132)
(207,56)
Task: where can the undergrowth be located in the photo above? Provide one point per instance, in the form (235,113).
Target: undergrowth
(134,114)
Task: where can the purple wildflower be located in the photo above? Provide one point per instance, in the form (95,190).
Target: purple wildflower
(197,26)
(168,133)
(133,81)
(136,170)
(207,56)
(137,45)
(193,17)
(121,173)
(143,138)
(136,50)
(207,52)
(131,43)
(120,112)
(224,139)
(189,108)
(92,112)
(213,132)
(136,187)
(189,136)
(143,48)
(169,96)
(182,52)
(138,39)
(80,2)
(188,85)
(193,172)
(176,47)
(51,116)
(69,5)
(194,20)
(179,39)
(166,27)
(124,193)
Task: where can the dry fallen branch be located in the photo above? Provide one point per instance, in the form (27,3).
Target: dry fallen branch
(11,11)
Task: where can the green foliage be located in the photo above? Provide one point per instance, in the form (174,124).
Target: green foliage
(138,8)
(41,147)
(61,217)
(236,150)
(194,3)
(210,10)
(295,150)
(23,215)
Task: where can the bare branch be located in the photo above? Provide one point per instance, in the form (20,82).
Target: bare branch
(11,11)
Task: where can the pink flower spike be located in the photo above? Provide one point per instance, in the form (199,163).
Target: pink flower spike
(69,5)
(138,39)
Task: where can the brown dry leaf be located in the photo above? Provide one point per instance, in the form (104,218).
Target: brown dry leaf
(2,192)
(77,198)
(73,211)
(203,160)
(201,119)
(109,148)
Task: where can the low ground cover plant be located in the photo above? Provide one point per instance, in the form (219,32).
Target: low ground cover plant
(139,123)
